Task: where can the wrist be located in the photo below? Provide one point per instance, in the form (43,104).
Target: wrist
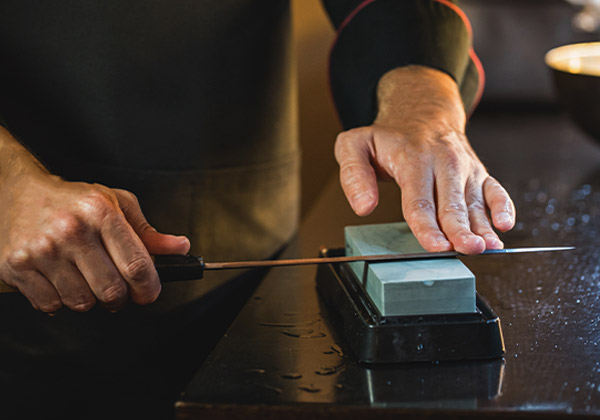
(419,95)
(16,161)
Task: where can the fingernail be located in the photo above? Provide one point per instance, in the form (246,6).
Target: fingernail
(441,242)
(470,244)
(362,202)
(493,242)
(504,217)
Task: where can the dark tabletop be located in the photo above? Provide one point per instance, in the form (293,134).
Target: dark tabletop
(282,355)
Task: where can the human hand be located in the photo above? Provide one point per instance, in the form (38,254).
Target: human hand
(72,244)
(418,141)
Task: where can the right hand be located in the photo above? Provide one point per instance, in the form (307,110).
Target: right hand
(73,244)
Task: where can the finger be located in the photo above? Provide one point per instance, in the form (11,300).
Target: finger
(103,278)
(155,242)
(38,290)
(357,175)
(478,218)
(418,208)
(131,259)
(453,214)
(501,206)
(73,289)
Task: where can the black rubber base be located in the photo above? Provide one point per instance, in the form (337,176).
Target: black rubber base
(374,338)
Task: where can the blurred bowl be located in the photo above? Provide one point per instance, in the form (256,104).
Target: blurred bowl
(576,70)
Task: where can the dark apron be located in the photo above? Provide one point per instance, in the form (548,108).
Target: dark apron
(201,128)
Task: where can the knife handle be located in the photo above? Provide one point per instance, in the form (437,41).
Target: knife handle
(178,267)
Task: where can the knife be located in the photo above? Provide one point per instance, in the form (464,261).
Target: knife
(189,267)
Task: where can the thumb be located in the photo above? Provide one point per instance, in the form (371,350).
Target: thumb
(155,242)
(357,175)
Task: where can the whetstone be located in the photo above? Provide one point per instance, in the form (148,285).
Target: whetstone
(442,286)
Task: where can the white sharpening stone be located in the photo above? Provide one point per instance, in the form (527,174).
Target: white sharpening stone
(441,286)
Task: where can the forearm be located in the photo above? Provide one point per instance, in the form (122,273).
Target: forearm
(15,160)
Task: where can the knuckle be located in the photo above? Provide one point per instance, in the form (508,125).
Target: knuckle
(352,172)
(453,208)
(97,203)
(418,207)
(67,227)
(346,139)
(128,195)
(138,268)
(19,259)
(45,247)
(476,207)
(454,211)
(452,162)
(114,294)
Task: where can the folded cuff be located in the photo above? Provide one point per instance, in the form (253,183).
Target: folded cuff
(385,34)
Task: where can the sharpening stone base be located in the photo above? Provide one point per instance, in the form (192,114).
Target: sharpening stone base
(437,286)
(377,339)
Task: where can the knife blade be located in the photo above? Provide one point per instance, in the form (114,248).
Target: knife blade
(172,268)
(189,267)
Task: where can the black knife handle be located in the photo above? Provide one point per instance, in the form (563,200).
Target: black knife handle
(178,267)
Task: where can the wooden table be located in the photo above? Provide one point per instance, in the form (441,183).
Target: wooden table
(281,356)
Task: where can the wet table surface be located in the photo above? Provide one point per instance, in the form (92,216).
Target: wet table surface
(282,355)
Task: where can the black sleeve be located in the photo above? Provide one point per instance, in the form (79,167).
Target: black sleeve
(375,36)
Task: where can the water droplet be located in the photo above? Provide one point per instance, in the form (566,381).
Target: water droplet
(290,324)
(337,349)
(256,370)
(303,333)
(419,347)
(326,371)
(311,388)
(291,375)
(270,388)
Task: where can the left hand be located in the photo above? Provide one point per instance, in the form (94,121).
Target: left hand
(418,141)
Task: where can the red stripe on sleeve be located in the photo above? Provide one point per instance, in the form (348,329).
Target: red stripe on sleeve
(352,14)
